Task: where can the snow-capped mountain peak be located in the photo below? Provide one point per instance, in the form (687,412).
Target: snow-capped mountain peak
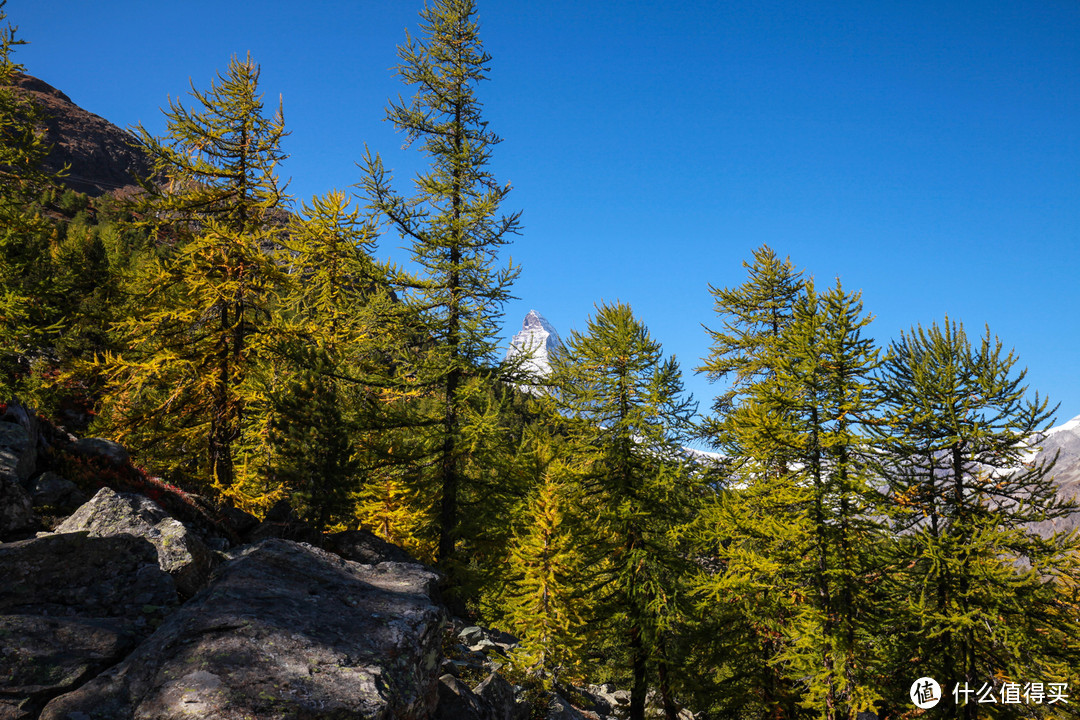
(537,340)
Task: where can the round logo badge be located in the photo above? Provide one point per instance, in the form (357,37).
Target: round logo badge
(925,693)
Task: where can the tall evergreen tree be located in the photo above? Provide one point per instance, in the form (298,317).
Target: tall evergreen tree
(319,391)
(181,393)
(456,233)
(626,412)
(747,524)
(28,306)
(825,390)
(545,603)
(752,317)
(982,599)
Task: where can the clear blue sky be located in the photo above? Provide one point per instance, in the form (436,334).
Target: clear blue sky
(925,152)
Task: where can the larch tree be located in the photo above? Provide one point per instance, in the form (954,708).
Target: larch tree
(981,597)
(320,389)
(825,391)
(28,312)
(745,526)
(795,531)
(456,231)
(180,393)
(626,413)
(752,318)
(544,602)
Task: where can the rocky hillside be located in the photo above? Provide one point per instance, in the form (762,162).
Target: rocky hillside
(128,609)
(1063,444)
(100,156)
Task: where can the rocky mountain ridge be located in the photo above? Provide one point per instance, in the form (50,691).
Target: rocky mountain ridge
(1063,443)
(100,157)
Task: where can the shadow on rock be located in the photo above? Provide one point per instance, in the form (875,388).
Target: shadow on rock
(284,631)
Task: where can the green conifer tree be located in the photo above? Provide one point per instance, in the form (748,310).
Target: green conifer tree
(327,252)
(29,317)
(824,389)
(545,605)
(981,598)
(752,588)
(626,413)
(321,400)
(456,233)
(753,316)
(180,392)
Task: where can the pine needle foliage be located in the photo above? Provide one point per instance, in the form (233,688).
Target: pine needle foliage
(626,413)
(983,598)
(389,505)
(180,392)
(545,605)
(327,253)
(752,317)
(218,160)
(456,233)
(323,393)
(754,528)
(825,390)
(29,304)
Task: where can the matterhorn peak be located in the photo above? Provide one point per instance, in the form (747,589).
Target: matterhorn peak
(537,341)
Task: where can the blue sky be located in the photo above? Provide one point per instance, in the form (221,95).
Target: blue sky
(926,153)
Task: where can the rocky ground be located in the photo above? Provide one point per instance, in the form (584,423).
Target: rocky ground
(115,605)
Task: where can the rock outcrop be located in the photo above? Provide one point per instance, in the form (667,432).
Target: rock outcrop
(364,547)
(100,156)
(18,453)
(16,508)
(71,605)
(1063,444)
(179,551)
(53,491)
(285,631)
(18,460)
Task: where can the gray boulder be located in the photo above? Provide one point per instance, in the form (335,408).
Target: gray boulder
(485,640)
(51,490)
(78,576)
(99,447)
(284,631)
(606,698)
(560,709)
(70,606)
(18,451)
(42,657)
(364,547)
(180,552)
(501,699)
(16,508)
(457,701)
(18,459)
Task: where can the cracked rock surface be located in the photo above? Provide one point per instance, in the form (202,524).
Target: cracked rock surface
(284,631)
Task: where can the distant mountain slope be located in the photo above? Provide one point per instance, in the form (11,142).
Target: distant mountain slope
(1065,441)
(100,155)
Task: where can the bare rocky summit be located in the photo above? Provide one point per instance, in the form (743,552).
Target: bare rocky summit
(100,156)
